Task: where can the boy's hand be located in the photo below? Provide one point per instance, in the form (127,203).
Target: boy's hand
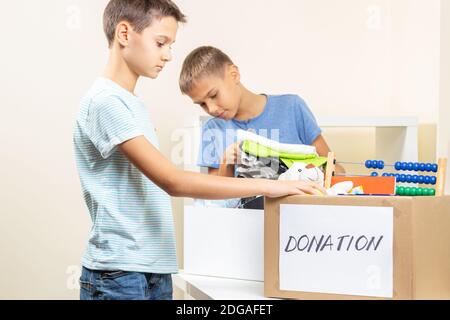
(231,155)
(278,189)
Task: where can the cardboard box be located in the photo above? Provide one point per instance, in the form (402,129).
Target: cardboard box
(408,250)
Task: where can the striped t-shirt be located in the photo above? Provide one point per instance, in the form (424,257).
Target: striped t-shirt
(132,217)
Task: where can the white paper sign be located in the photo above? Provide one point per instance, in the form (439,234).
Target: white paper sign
(337,250)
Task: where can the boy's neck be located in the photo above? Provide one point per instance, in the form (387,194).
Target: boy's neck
(118,71)
(251,105)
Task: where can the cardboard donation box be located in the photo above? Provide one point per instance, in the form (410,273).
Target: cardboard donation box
(357,248)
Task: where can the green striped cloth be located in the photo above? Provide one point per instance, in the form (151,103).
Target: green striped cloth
(258,150)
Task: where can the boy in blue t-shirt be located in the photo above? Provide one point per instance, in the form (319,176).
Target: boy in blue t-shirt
(126,181)
(212,80)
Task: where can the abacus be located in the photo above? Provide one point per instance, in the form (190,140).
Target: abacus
(435,175)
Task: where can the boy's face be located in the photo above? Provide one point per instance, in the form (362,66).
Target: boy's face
(218,96)
(147,53)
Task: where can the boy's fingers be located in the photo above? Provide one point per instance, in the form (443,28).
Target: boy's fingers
(306,189)
(313,190)
(299,192)
(319,190)
(318,187)
(238,154)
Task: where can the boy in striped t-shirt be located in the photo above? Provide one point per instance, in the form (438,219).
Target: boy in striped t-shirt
(126,181)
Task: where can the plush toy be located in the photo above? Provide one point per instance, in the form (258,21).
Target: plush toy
(340,188)
(304,172)
(343,188)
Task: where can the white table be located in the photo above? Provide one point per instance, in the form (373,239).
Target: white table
(196,287)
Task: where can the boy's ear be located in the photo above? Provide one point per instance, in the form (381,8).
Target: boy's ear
(123,31)
(235,74)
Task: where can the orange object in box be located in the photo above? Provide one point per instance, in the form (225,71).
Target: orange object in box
(370,185)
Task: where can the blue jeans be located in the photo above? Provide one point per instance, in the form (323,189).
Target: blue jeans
(124,285)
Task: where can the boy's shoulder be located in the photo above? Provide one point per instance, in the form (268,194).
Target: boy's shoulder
(285,104)
(289,102)
(289,99)
(100,95)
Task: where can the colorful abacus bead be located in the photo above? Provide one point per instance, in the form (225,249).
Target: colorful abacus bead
(434,168)
(415,192)
(411,166)
(374,164)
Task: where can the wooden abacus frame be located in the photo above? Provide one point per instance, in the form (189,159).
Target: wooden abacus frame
(440,175)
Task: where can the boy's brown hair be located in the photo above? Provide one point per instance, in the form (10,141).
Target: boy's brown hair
(200,62)
(139,13)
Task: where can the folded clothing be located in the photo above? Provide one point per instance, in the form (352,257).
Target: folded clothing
(261,151)
(261,158)
(275,145)
(255,167)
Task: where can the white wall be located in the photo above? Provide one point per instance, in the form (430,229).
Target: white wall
(444,109)
(364,56)
(345,57)
(48,60)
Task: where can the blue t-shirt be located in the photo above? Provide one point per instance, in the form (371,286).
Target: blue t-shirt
(132,217)
(286,119)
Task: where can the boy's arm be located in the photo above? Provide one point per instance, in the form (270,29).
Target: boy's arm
(180,183)
(308,123)
(322,149)
(224,171)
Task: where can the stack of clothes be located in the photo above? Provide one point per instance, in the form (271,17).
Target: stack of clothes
(262,158)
